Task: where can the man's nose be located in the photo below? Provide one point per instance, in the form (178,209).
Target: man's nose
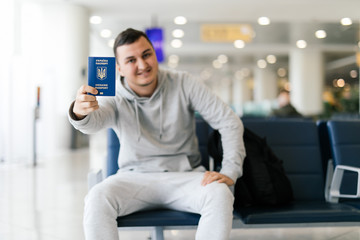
(142,64)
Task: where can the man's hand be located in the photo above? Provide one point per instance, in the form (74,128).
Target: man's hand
(84,103)
(211,176)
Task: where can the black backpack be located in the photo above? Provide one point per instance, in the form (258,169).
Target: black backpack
(264,181)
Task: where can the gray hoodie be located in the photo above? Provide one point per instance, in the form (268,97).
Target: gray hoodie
(157,133)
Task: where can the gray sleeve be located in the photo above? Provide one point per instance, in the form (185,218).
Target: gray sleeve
(220,116)
(104,117)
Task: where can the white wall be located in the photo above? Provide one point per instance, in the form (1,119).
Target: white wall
(7,20)
(50,51)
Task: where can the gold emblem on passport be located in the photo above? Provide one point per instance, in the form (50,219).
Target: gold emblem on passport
(101,73)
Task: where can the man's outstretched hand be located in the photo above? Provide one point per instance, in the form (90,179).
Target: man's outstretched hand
(85,103)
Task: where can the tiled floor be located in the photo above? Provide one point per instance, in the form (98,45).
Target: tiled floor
(46,203)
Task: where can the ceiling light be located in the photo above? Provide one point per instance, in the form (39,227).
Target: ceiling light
(320,34)
(281,72)
(105,33)
(243,73)
(178,33)
(222,59)
(340,82)
(334,82)
(180,20)
(263,21)
(353,74)
(301,44)
(174,58)
(239,44)
(346,21)
(271,59)
(95,20)
(172,64)
(261,63)
(217,64)
(176,43)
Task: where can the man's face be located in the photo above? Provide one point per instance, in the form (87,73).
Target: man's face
(283,99)
(138,64)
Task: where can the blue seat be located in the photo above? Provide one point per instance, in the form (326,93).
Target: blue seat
(296,142)
(345,146)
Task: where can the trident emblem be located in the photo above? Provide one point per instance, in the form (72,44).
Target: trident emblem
(101,73)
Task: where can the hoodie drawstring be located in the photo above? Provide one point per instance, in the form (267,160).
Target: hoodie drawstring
(137,120)
(161,114)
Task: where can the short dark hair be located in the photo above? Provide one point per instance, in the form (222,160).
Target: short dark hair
(283,90)
(129,36)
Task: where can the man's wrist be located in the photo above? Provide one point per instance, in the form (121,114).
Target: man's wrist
(73,115)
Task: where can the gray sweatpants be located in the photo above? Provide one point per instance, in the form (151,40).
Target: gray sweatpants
(128,192)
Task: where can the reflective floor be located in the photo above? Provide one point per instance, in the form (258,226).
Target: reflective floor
(46,203)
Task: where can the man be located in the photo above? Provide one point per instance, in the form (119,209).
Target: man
(153,115)
(285,108)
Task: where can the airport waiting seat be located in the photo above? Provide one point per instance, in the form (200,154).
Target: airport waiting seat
(296,142)
(344,137)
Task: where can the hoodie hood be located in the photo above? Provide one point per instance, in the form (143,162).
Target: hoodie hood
(136,100)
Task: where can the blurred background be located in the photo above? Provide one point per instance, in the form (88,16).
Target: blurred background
(245,50)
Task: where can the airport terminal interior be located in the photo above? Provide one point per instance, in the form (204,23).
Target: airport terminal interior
(245,51)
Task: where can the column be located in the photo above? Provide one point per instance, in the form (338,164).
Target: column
(265,84)
(66,48)
(241,92)
(306,75)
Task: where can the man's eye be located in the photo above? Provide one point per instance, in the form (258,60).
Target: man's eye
(131,61)
(146,55)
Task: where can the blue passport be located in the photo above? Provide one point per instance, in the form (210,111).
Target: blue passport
(101,75)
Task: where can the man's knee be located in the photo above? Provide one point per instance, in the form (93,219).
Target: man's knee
(101,198)
(218,194)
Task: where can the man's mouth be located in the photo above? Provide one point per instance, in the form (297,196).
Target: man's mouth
(144,72)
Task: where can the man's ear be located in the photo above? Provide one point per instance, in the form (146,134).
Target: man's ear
(118,69)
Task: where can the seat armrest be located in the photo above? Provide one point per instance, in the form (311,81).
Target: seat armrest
(336,183)
(329,177)
(94,177)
